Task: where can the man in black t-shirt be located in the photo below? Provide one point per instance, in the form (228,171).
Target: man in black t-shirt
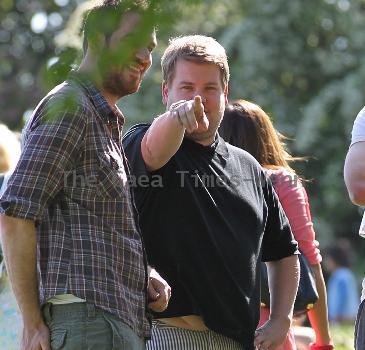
(207,213)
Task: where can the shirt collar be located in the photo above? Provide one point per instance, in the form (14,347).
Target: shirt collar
(107,113)
(218,146)
(221,148)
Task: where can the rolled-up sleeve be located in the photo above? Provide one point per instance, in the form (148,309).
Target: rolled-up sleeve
(132,146)
(358,130)
(51,143)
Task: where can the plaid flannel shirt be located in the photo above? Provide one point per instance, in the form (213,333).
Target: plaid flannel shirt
(72,181)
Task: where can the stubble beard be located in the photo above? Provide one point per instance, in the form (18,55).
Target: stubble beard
(117,84)
(209,134)
(203,137)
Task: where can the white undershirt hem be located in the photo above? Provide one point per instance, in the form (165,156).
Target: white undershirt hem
(61,299)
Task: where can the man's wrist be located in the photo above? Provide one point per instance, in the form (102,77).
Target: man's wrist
(285,320)
(32,316)
(153,273)
(176,117)
(174,112)
(33,321)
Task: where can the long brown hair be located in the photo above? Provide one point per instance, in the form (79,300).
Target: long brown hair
(247,126)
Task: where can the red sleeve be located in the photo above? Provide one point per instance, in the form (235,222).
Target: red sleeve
(294,200)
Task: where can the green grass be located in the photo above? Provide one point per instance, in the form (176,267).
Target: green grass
(343,336)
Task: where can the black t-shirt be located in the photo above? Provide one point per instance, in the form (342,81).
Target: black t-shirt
(208,217)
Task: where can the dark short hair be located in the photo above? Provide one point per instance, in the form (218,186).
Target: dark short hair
(104,19)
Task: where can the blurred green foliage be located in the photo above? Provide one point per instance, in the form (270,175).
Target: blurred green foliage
(302,61)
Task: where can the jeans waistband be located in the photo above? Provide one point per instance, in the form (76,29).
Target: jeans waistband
(80,309)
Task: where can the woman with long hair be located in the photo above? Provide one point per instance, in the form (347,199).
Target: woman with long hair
(247,126)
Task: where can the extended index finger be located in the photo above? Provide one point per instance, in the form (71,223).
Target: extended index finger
(198,107)
(199,113)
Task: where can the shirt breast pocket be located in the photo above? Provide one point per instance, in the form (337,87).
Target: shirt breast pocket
(112,178)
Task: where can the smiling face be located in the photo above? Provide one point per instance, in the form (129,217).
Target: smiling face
(190,79)
(125,78)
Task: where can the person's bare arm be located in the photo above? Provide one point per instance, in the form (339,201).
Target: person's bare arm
(166,133)
(354,173)
(283,278)
(18,239)
(318,316)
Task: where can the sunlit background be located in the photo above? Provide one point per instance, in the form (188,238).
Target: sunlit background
(302,61)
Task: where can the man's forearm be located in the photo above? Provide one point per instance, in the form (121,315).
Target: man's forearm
(162,140)
(283,283)
(18,239)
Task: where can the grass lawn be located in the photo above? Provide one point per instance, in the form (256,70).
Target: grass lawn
(343,336)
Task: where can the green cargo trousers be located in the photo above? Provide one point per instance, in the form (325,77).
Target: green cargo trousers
(81,326)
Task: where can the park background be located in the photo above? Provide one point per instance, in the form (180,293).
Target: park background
(302,61)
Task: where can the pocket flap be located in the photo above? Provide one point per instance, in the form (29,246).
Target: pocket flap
(58,337)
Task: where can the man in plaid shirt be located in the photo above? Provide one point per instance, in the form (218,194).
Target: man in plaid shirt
(69,228)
